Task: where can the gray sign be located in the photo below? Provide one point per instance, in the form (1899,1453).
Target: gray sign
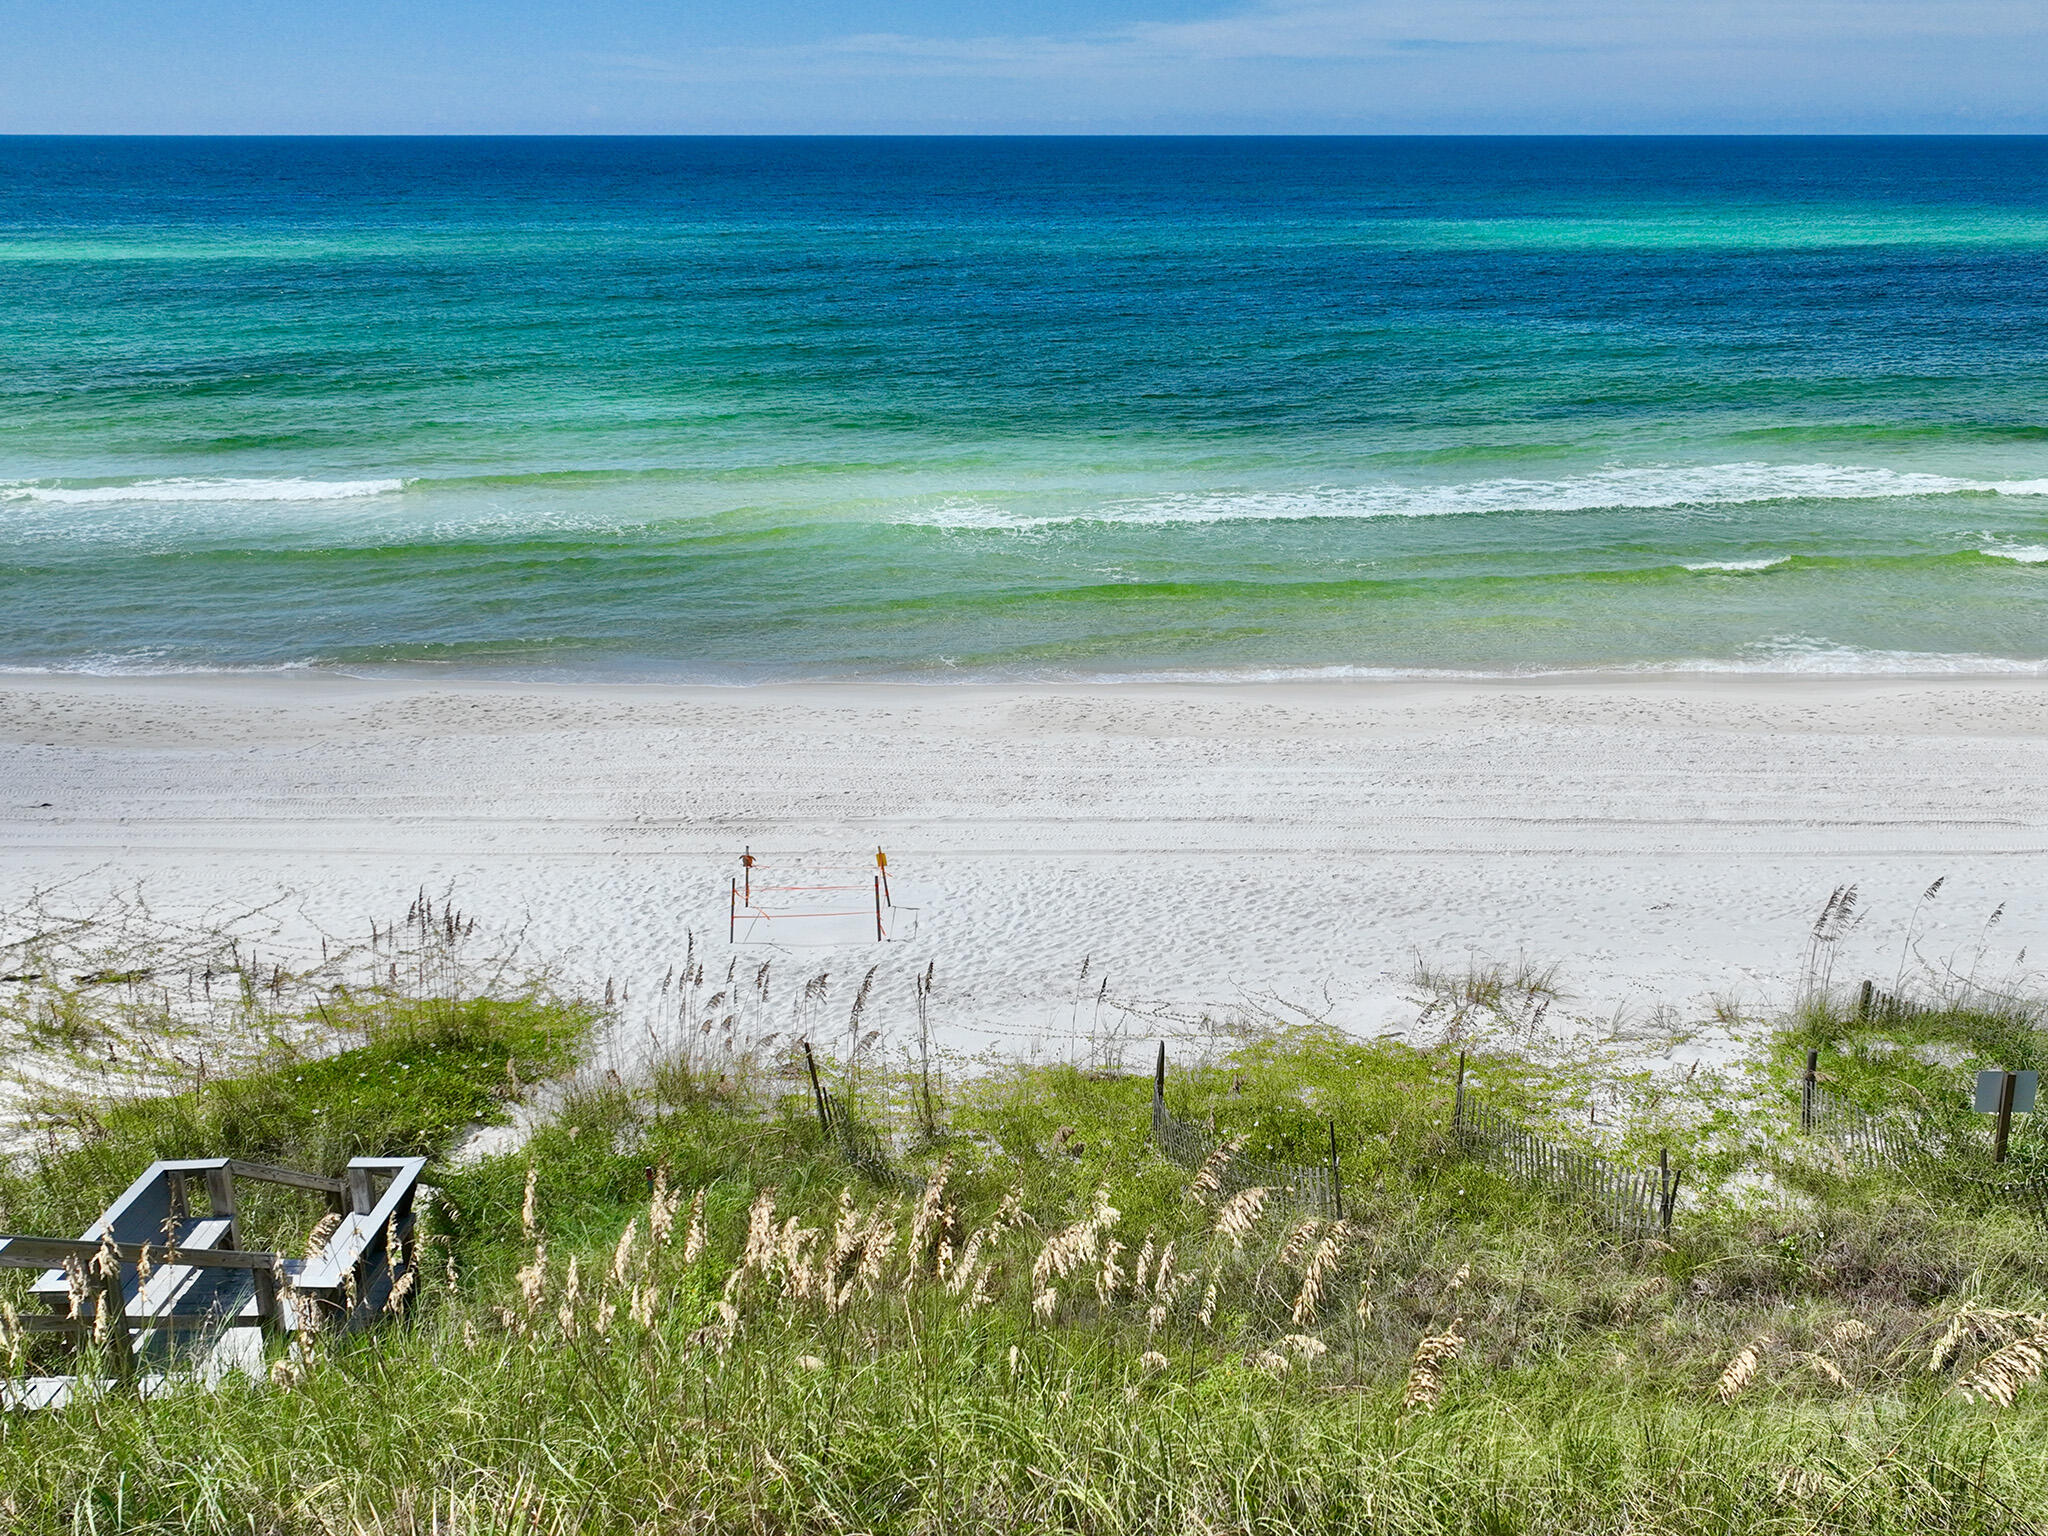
(1991,1085)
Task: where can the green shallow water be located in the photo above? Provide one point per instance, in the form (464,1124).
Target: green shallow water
(741,410)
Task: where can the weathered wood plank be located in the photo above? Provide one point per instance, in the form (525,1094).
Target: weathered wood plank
(51,1252)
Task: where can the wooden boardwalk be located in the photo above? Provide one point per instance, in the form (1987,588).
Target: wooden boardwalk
(160,1289)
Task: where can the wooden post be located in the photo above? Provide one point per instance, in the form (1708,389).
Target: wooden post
(878,909)
(732,919)
(174,1194)
(2004,1127)
(1664,1187)
(1458,1108)
(110,1317)
(747,873)
(817,1090)
(1863,1001)
(1336,1188)
(882,865)
(220,1194)
(268,1317)
(1806,1087)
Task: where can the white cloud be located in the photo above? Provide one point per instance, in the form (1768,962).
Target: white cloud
(1338,32)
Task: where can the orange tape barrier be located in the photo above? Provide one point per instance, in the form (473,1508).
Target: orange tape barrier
(769,917)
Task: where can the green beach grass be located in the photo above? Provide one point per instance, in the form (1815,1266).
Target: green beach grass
(1066,1331)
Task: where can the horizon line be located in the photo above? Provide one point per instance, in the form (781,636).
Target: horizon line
(1757,133)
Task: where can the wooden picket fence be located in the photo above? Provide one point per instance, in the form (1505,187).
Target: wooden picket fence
(1913,1147)
(1635,1204)
(1871,1138)
(1874,1005)
(1314,1188)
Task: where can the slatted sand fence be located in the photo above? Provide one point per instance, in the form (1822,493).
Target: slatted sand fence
(1316,1188)
(1635,1203)
(1897,1141)
(1915,1148)
(1875,1005)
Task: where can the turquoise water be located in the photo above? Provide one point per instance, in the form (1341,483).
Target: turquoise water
(754,409)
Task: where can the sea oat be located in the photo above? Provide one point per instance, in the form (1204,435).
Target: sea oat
(1207,1184)
(1110,1278)
(1950,1341)
(1240,1214)
(1298,1240)
(1073,1246)
(661,1210)
(526,1214)
(878,1243)
(928,1222)
(533,1282)
(1826,1369)
(2000,1375)
(1998,1325)
(1742,1368)
(1151,1362)
(693,1236)
(75,1286)
(572,1296)
(1307,1346)
(1426,1370)
(622,1256)
(1143,1268)
(1309,1301)
(759,1248)
(961,1275)
(1639,1295)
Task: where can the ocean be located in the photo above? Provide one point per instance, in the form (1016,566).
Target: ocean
(744,410)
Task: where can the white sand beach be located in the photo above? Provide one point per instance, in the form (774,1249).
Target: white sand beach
(1286,849)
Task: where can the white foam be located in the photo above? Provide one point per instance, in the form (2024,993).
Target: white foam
(189,489)
(2025,554)
(150,664)
(1807,654)
(1738,565)
(1647,486)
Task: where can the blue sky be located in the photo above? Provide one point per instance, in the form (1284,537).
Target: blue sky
(1112,66)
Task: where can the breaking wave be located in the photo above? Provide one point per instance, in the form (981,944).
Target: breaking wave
(1653,486)
(200,490)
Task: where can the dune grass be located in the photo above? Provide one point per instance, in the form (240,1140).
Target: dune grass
(1066,1331)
